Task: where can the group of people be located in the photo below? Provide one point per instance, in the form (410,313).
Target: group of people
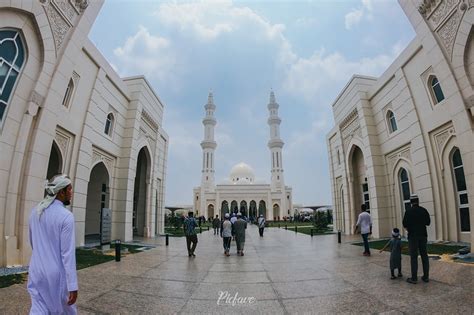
(52,279)
(415,221)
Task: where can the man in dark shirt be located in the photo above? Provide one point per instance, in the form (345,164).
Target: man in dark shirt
(415,221)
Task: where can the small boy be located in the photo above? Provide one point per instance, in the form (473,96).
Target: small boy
(395,244)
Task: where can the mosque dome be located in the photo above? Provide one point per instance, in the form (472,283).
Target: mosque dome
(242,174)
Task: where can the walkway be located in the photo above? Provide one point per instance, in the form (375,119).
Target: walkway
(285,272)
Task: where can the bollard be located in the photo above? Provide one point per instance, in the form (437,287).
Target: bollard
(278,225)
(208,228)
(200,229)
(339,236)
(117,249)
(311,232)
(167,239)
(296,229)
(286,227)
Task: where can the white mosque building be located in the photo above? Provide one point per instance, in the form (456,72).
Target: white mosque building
(241,192)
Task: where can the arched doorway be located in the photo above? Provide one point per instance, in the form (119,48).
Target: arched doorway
(360,187)
(243,208)
(140,193)
(224,208)
(262,209)
(55,164)
(210,211)
(97,199)
(253,210)
(276,212)
(233,207)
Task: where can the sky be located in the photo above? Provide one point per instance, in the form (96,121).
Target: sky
(305,51)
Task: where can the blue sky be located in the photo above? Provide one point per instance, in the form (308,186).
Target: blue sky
(306,51)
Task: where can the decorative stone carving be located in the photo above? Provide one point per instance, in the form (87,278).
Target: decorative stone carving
(442,137)
(81,4)
(67,8)
(149,121)
(100,156)
(63,142)
(441,11)
(447,32)
(350,127)
(392,158)
(58,25)
(36,98)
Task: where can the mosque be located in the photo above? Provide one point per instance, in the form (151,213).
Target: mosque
(241,192)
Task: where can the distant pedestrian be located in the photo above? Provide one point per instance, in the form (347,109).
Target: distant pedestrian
(364,222)
(239,230)
(395,244)
(226,234)
(190,226)
(415,221)
(52,277)
(215,224)
(261,224)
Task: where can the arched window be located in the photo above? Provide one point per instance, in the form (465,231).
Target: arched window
(12,58)
(404,188)
(436,91)
(68,93)
(461,189)
(392,122)
(365,194)
(109,124)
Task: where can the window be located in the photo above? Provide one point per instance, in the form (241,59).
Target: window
(404,188)
(392,122)
(461,189)
(109,124)
(12,58)
(436,91)
(365,194)
(68,94)
(338,158)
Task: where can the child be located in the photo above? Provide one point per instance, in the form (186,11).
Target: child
(395,253)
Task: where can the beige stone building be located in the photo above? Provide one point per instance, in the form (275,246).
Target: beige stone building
(63,109)
(411,129)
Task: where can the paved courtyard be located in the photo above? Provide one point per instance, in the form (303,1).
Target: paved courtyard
(284,272)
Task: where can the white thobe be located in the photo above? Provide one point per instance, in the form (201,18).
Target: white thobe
(52,270)
(364,222)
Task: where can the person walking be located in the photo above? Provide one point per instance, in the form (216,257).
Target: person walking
(239,229)
(415,221)
(261,224)
(365,223)
(190,226)
(226,234)
(52,277)
(215,224)
(395,244)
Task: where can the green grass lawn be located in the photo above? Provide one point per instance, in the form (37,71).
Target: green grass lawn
(288,224)
(84,258)
(434,249)
(307,230)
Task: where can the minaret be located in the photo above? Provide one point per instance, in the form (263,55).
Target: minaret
(208,145)
(275,144)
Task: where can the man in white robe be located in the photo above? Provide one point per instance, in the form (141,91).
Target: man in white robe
(52,279)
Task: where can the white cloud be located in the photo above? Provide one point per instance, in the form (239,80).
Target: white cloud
(323,72)
(354,17)
(146,54)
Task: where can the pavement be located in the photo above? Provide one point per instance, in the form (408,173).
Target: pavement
(281,273)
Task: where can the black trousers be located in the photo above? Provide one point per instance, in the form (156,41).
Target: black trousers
(191,239)
(260,230)
(417,244)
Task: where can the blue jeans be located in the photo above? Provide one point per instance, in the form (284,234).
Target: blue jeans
(365,237)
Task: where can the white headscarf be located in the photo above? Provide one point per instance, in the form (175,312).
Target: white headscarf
(52,189)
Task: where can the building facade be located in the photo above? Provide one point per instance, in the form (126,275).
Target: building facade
(63,109)
(241,192)
(411,130)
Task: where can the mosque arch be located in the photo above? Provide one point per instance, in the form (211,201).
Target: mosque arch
(276,212)
(55,164)
(210,211)
(243,208)
(224,208)
(262,209)
(98,198)
(233,206)
(359,188)
(141,193)
(253,209)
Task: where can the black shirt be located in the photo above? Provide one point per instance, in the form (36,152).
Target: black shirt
(415,221)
